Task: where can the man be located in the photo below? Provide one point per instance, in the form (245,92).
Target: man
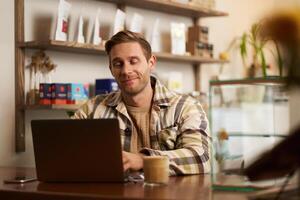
(153,120)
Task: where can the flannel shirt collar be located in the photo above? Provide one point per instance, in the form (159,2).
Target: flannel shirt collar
(162,96)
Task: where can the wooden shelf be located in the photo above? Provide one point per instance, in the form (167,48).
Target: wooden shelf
(187,59)
(259,80)
(66,107)
(99,50)
(171,7)
(63,46)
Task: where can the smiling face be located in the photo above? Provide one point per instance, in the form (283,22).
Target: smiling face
(130,68)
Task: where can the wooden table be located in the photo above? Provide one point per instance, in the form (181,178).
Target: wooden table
(180,187)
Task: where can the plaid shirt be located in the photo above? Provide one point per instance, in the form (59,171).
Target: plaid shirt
(178,127)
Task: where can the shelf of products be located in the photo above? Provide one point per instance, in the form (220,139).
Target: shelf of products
(247,118)
(191,10)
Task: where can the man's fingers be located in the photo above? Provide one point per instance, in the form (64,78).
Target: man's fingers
(132,161)
(124,157)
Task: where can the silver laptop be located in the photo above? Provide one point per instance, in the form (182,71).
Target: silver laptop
(77,150)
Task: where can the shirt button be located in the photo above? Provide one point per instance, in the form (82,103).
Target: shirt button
(127,131)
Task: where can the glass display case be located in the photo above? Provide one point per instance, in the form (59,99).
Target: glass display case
(247,117)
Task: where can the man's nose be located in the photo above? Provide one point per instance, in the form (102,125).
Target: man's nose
(127,68)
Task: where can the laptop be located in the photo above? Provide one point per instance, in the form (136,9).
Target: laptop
(68,150)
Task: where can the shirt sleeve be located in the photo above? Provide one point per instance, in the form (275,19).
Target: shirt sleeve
(87,109)
(191,154)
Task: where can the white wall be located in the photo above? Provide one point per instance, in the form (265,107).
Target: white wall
(223,30)
(85,68)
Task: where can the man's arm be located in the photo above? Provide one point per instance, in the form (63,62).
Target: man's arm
(191,154)
(87,109)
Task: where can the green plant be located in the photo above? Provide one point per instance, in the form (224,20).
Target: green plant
(258,43)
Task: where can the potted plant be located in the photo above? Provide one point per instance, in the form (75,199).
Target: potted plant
(257,43)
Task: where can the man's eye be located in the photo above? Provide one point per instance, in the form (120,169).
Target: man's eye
(117,64)
(133,61)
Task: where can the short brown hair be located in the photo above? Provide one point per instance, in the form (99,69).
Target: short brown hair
(129,36)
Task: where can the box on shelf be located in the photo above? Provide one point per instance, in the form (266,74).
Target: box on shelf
(198,33)
(59,93)
(200,49)
(178,38)
(104,86)
(45,93)
(77,93)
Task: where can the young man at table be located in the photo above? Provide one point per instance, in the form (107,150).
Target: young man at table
(153,120)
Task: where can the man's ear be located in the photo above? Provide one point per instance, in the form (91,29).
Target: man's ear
(152,62)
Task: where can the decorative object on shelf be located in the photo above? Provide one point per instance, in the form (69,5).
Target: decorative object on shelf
(119,23)
(178,39)
(203,50)
(77,93)
(198,42)
(210,4)
(258,66)
(104,86)
(80,36)
(41,67)
(62,26)
(155,36)
(222,149)
(175,81)
(96,34)
(136,23)
(224,55)
(198,33)
(59,93)
(45,93)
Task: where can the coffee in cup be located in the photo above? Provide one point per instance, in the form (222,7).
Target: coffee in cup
(156,170)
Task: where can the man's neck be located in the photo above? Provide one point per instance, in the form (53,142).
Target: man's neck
(142,99)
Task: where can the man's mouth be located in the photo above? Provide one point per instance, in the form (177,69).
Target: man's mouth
(128,81)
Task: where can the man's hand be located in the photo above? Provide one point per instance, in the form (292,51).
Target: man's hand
(132,161)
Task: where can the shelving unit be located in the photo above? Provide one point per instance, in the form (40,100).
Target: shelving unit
(165,6)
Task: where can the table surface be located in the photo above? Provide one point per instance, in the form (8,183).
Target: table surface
(180,187)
